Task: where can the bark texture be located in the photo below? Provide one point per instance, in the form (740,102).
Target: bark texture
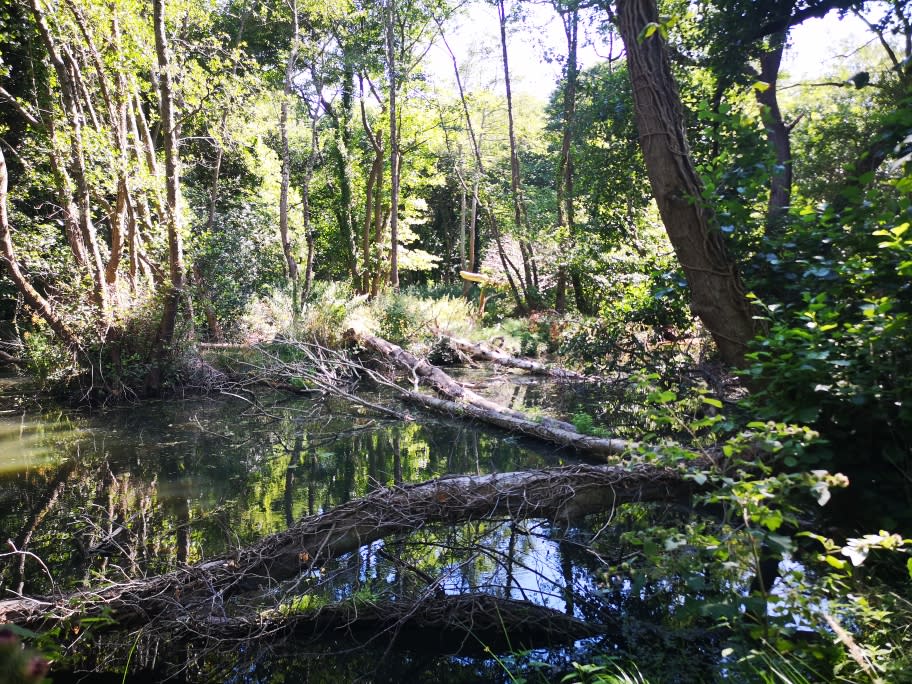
(717,295)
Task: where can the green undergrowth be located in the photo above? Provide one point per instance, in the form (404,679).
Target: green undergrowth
(765,566)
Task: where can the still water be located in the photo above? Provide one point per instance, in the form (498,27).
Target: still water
(139,490)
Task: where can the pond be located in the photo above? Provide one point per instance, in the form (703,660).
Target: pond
(140,490)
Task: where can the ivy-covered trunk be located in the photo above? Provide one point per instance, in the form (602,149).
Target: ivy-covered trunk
(717,294)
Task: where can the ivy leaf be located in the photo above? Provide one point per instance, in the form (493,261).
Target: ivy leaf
(647,31)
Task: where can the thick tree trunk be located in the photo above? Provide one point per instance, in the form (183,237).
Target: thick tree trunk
(596,448)
(560,494)
(463,623)
(717,295)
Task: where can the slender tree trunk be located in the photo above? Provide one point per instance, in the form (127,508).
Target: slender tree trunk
(462,217)
(341,115)
(175,289)
(717,295)
(64,65)
(777,133)
(565,217)
(394,145)
(505,261)
(520,220)
(371,265)
(291,264)
(32,297)
(305,203)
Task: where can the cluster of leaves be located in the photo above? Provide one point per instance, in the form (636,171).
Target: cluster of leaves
(837,353)
(753,562)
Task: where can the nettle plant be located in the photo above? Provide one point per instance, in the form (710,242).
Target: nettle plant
(777,580)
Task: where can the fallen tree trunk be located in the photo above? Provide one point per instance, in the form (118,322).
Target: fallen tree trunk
(194,592)
(467,404)
(486,353)
(423,370)
(600,448)
(445,623)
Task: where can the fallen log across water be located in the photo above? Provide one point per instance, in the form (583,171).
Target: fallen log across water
(444,623)
(599,448)
(192,594)
(486,353)
(467,404)
(424,370)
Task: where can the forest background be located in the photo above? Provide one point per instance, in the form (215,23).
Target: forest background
(186,173)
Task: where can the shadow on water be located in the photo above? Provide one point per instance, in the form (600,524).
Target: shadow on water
(144,489)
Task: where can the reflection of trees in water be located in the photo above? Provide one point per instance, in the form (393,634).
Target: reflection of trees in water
(140,491)
(177,484)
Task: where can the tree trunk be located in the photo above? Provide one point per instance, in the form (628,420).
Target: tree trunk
(462,216)
(717,295)
(778,134)
(394,145)
(305,205)
(173,220)
(485,353)
(341,117)
(465,623)
(32,297)
(561,494)
(421,369)
(479,168)
(529,287)
(290,263)
(565,214)
(64,67)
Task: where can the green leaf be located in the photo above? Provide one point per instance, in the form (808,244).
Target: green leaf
(647,31)
(662,397)
(840,564)
(909,567)
(712,402)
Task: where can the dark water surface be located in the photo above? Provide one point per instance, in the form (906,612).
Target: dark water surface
(140,490)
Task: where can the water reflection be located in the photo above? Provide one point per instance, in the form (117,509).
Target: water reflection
(144,489)
(147,487)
